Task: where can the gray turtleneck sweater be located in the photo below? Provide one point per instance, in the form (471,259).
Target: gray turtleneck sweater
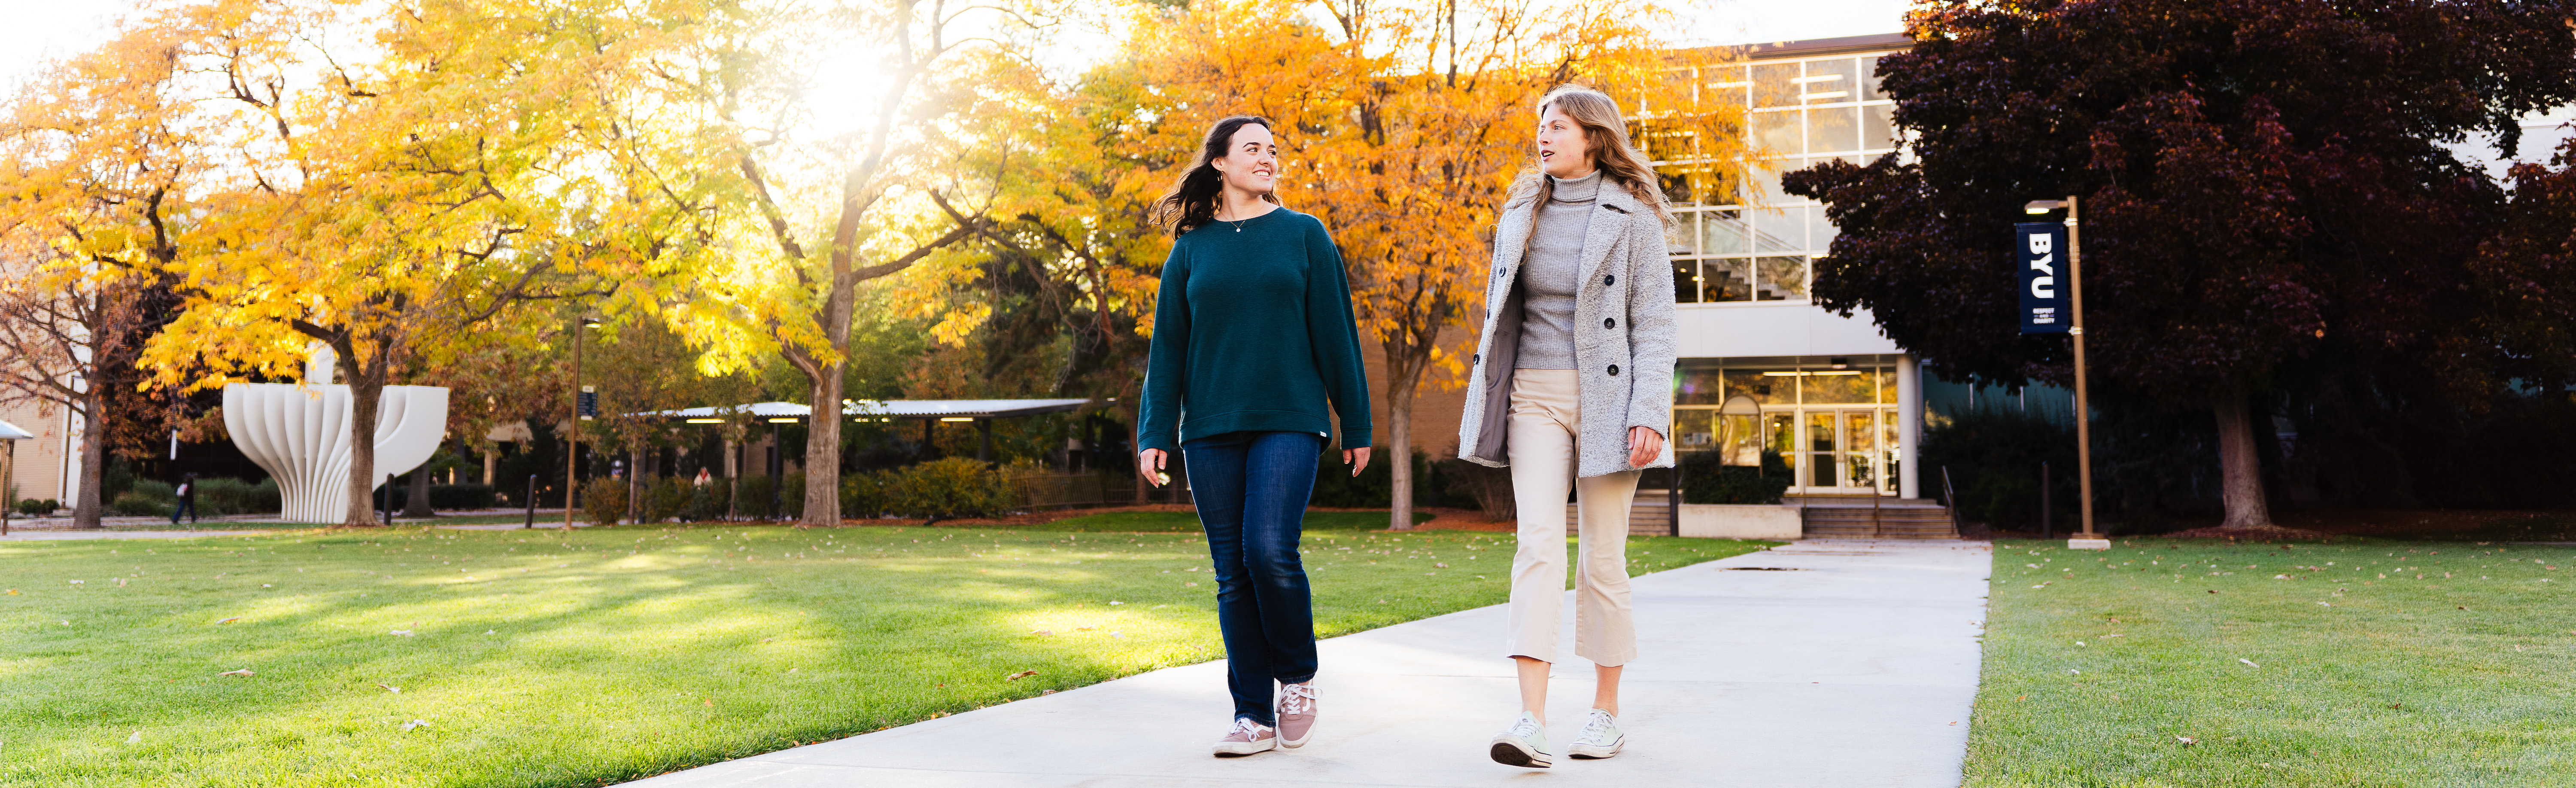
(1548,276)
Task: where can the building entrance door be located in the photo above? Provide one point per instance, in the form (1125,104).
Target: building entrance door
(1835,450)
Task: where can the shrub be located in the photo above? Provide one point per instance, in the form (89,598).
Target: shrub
(221,496)
(1993,458)
(603,501)
(1490,488)
(867,494)
(665,498)
(954,487)
(34,507)
(1707,479)
(462,496)
(137,502)
(1375,486)
(756,498)
(706,503)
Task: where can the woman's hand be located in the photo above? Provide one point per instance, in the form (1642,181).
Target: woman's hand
(1644,445)
(1149,464)
(1356,458)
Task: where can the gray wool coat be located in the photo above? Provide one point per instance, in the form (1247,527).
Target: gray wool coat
(1623,317)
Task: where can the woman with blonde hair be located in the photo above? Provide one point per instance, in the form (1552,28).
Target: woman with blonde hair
(1573,388)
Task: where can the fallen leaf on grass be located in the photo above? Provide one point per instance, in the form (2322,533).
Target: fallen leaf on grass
(402,632)
(2248,662)
(79,583)
(414,724)
(2186,740)
(242,672)
(229,620)
(1041,632)
(1020,675)
(391,688)
(137,738)
(1047,692)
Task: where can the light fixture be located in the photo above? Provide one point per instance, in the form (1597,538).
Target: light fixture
(2042,206)
(958,418)
(1840,363)
(788,420)
(706,421)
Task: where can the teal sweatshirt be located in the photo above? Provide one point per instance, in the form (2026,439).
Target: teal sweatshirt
(1253,331)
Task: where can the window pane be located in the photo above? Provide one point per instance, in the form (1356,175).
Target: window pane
(1764,389)
(1837,387)
(1887,387)
(1833,130)
(1696,382)
(1777,132)
(1780,279)
(1741,439)
(1779,229)
(1775,85)
(1829,80)
(1694,430)
(1766,179)
(1722,232)
(1820,232)
(1684,239)
(1878,126)
(1725,88)
(1685,281)
(1729,279)
(1869,80)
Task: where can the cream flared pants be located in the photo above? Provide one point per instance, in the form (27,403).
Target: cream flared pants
(1544,424)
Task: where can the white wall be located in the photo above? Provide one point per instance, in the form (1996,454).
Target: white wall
(1798,329)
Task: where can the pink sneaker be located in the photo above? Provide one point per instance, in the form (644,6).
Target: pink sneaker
(1245,738)
(1296,714)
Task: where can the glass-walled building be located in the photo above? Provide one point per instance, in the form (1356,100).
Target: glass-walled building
(1762,367)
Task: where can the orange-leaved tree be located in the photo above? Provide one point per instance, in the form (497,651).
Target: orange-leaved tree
(1403,125)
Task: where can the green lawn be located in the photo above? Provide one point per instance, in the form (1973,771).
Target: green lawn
(1168,522)
(2376,663)
(557,659)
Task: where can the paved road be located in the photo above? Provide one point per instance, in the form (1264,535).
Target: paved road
(1855,665)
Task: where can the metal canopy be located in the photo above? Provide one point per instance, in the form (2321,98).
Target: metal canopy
(11,432)
(900,408)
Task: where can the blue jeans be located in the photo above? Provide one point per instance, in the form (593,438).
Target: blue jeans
(187,508)
(1251,489)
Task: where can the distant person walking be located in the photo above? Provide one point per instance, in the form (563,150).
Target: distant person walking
(1253,338)
(1573,387)
(187,499)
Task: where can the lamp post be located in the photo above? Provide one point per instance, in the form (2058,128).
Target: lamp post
(572,458)
(2089,539)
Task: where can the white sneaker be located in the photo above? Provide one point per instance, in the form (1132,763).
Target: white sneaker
(1523,744)
(1245,738)
(1601,737)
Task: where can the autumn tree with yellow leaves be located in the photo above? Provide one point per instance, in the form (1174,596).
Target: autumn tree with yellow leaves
(1402,125)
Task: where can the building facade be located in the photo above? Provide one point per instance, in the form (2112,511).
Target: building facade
(1839,401)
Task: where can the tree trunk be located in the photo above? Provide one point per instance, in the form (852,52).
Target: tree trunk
(823,445)
(1399,454)
(2240,467)
(733,476)
(635,483)
(366,395)
(87,507)
(1407,355)
(416,500)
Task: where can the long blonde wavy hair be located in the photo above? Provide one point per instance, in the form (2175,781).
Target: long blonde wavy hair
(1605,132)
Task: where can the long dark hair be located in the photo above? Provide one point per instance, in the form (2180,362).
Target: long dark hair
(1191,203)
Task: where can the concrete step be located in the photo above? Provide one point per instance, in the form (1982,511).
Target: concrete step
(1858,518)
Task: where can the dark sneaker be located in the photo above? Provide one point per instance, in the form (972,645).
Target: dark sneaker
(1245,738)
(1601,737)
(1523,744)
(1296,714)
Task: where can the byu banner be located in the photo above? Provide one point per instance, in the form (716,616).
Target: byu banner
(2041,248)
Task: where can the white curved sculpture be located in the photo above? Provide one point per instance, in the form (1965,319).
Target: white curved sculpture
(301,435)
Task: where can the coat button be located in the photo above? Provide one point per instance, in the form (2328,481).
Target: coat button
(1609,322)
(1614,370)
(1476,359)
(1607,281)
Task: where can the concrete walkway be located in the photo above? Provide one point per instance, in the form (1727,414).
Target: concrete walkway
(1856,665)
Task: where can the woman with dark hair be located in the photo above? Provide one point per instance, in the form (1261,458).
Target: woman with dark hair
(1252,339)
(1573,388)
